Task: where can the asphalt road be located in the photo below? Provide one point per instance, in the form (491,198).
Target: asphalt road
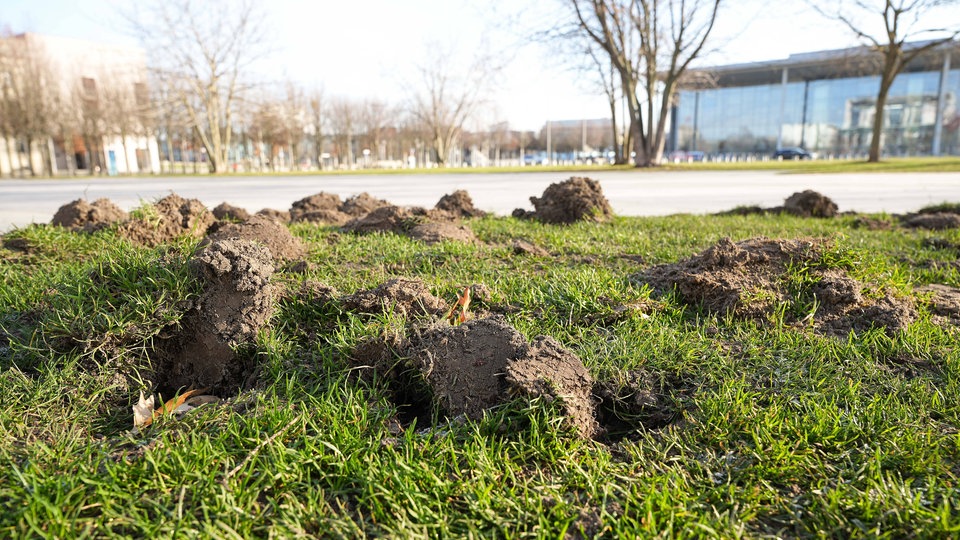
(633,193)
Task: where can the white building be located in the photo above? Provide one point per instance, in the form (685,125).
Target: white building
(74,106)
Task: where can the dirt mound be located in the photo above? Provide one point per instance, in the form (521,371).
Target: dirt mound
(522,247)
(407,296)
(548,370)
(396,219)
(470,368)
(434,232)
(80,215)
(872,224)
(362,204)
(944,303)
(936,222)
(169,218)
(237,300)
(751,279)
(281,216)
(283,245)
(228,212)
(809,203)
(459,204)
(319,207)
(572,200)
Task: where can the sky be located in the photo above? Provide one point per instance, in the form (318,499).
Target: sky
(372,49)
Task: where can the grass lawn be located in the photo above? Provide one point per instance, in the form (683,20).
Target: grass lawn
(774,430)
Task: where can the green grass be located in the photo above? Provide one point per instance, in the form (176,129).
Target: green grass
(779,432)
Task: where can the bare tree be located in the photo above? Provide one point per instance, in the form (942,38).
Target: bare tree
(651,44)
(901,26)
(343,125)
(317,110)
(202,50)
(446,98)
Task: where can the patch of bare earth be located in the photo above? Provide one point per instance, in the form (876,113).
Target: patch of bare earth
(576,199)
(936,221)
(283,245)
(750,279)
(228,212)
(169,218)
(319,208)
(236,302)
(281,216)
(80,215)
(944,303)
(409,297)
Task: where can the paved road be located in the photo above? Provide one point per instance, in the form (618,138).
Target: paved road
(636,193)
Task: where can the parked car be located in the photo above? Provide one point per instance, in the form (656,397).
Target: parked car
(792,153)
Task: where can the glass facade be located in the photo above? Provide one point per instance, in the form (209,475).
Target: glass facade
(832,117)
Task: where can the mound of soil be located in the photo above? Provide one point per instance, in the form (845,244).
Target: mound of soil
(470,368)
(936,222)
(809,203)
(362,204)
(872,224)
(319,208)
(459,204)
(281,216)
(944,303)
(228,212)
(749,279)
(396,219)
(572,200)
(283,245)
(80,215)
(169,218)
(522,247)
(237,300)
(434,232)
(406,296)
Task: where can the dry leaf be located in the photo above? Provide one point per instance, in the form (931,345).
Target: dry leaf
(142,412)
(458,313)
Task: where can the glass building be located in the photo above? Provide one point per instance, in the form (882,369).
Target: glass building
(823,102)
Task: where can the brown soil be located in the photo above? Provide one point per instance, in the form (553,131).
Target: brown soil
(362,204)
(80,215)
(570,201)
(522,247)
(747,279)
(632,400)
(434,232)
(548,370)
(809,203)
(944,303)
(320,207)
(936,221)
(228,212)
(394,219)
(283,245)
(410,297)
(459,204)
(169,218)
(872,224)
(237,300)
(281,216)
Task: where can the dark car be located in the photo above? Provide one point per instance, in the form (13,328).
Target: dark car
(792,153)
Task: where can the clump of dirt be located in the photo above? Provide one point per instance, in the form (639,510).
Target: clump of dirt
(434,232)
(522,247)
(937,221)
(872,224)
(944,303)
(751,279)
(459,204)
(80,215)
(169,218)
(809,203)
(228,212)
(396,219)
(469,368)
(362,204)
(570,201)
(283,245)
(237,300)
(410,297)
(548,370)
(281,216)
(319,208)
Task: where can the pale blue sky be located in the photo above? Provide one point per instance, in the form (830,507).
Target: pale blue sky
(371,49)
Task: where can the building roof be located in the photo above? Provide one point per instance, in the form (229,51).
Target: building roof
(830,64)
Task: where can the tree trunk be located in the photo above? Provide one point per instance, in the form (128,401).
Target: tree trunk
(886,82)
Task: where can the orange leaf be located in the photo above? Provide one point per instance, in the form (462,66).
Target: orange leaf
(172,404)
